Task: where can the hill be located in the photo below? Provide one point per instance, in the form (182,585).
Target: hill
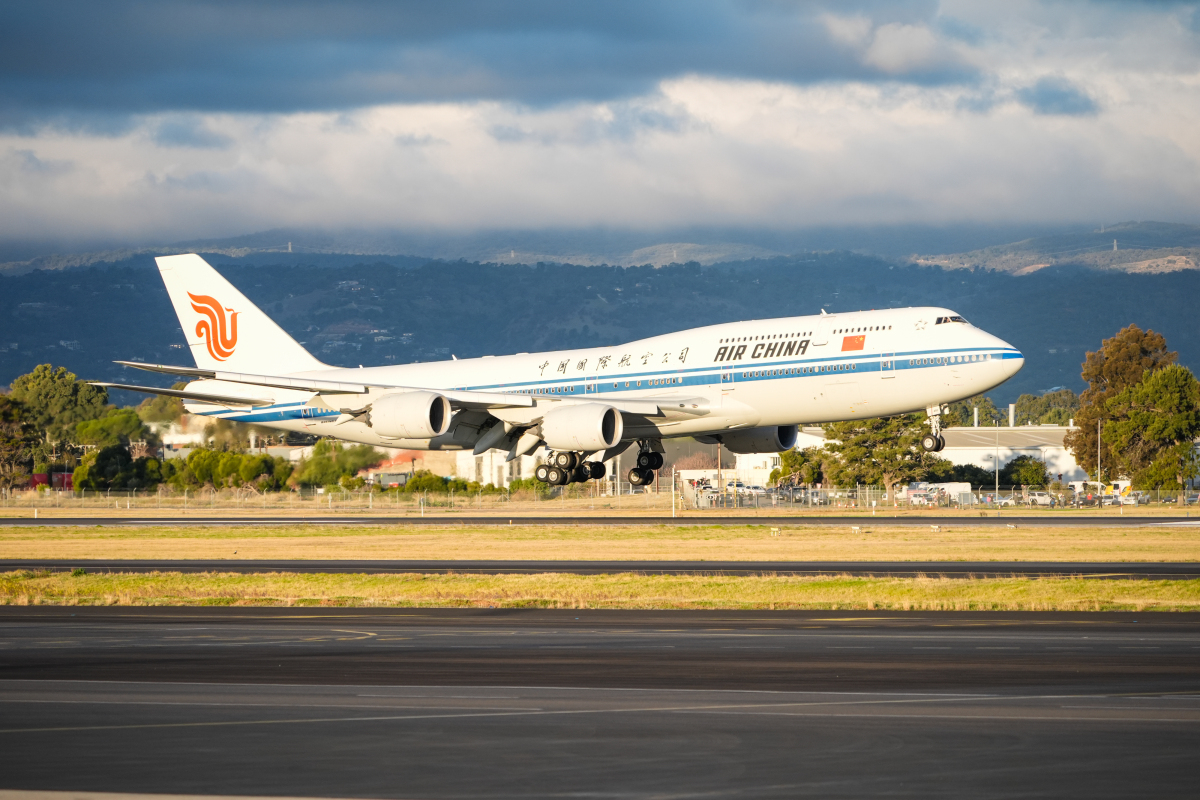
(379,313)
(1144,247)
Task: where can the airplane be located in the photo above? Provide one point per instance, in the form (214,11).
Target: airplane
(747,385)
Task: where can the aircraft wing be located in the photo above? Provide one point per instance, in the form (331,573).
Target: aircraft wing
(200,397)
(459,398)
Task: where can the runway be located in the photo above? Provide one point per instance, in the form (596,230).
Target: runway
(503,703)
(1013,519)
(1122,570)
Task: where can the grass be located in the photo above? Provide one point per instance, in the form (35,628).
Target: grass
(616,591)
(875,542)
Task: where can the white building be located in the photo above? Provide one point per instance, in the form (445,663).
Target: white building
(979,446)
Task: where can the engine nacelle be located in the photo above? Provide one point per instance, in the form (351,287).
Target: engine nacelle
(774,439)
(588,427)
(410,415)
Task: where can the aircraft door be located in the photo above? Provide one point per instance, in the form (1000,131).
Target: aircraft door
(887,365)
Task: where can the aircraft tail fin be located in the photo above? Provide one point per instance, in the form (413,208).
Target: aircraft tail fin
(224,330)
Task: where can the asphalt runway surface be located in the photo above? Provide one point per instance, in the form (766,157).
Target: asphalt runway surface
(891,569)
(539,703)
(1062,520)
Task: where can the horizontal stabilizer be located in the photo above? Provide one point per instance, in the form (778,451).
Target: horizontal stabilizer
(199,397)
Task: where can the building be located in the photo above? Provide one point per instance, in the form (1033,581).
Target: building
(969,445)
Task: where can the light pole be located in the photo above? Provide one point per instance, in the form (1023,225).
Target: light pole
(996,422)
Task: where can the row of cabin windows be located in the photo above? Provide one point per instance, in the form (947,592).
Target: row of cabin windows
(948,360)
(766,373)
(764,338)
(867,329)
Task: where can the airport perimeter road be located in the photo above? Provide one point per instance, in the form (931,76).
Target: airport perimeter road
(1056,520)
(892,569)
(519,704)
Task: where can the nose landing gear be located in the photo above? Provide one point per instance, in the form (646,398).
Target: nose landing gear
(934,442)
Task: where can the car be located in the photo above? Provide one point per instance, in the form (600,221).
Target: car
(1041,499)
(755,489)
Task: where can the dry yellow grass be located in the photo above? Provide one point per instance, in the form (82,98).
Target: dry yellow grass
(953,542)
(626,590)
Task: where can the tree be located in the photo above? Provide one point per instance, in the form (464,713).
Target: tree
(1119,364)
(1051,408)
(119,426)
(57,401)
(800,467)
(1025,471)
(17,442)
(962,413)
(161,408)
(330,461)
(883,450)
(1154,426)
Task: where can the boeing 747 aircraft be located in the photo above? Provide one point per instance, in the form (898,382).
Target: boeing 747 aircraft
(747,385)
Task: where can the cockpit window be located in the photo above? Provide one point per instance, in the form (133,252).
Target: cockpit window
(940,320)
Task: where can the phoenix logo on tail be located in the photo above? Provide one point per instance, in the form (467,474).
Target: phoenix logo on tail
(219,336)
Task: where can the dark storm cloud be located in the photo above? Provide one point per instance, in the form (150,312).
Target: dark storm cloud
(62,60)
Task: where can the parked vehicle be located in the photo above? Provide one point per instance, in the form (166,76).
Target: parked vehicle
(1041,499)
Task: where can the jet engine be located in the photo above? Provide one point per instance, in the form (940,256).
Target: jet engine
(588,427)
(410,415)
(774,439)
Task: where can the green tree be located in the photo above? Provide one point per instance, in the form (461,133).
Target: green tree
(17,442)
(161,408)
(1153,428)
(1119,364)
(57,401)
(883,450)
(962,412)
(119,426)
(800,467)
(1052,408)
(1024,471)
(330,461)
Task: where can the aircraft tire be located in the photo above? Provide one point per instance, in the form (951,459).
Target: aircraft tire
(929,443)
(581,474)
(556,476)
(597,469)
(566,460)
(541,473)
(941,443)
(637,477)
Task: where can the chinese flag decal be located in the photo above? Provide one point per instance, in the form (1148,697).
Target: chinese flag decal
(853,342)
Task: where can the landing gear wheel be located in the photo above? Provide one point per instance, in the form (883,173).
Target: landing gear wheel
(941,443)
(597,469)
(581,474)
(542,473)
(929,443)
(556,476)
(648,459)
(641,477)
(565,460)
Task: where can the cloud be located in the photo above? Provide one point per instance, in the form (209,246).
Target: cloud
(72,57)
(189,131)
(1055,95)
(182,120)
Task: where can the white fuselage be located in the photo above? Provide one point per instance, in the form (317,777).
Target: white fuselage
(792,370)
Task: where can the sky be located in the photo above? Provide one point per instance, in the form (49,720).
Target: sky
(153,122)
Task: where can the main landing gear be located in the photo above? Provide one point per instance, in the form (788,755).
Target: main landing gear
(649,462)
(933,442)
(566,467)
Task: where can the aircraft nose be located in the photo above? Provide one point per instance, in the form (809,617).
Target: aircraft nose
(1014,359)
